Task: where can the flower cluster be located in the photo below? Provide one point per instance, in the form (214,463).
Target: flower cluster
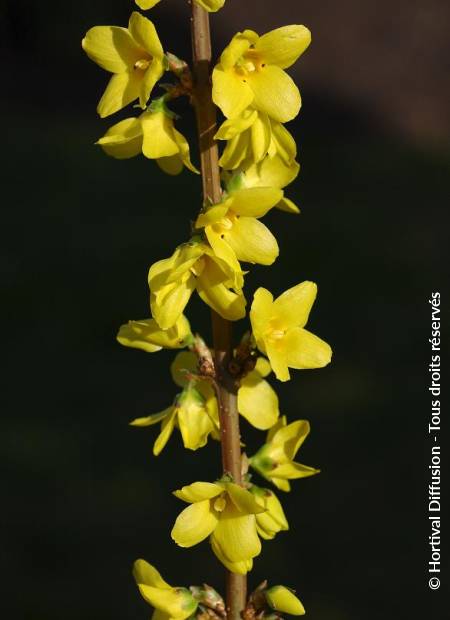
(258,160)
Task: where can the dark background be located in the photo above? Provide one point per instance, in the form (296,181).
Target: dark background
(82,494)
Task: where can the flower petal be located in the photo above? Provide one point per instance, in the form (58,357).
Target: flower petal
(166,430)
(263,367)
(148,336)
(159,140)
(183,147)
(152,419)
(194,524)
(271,172)
(212,289)
(283,46)
(260,312)
(236,535)
(278,360)
(260,135)
(236,152)
(176,602)
(234,126)
(144,33)
(293,306)
(241,568)
(287,205)
(169,303)
(242,499)
(254,201)
(252,241)
(198,491)
(293,471)
(194,423)
(145,5)
(122,89)
(111,47)
(257,401)
(123,140)
(145,573)
(230,93)
(151,76)
(238,45)
(275,93)
(305,350)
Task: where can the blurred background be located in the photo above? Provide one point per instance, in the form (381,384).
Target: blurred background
(82,494)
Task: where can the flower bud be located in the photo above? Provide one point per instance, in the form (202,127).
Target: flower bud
(282,599)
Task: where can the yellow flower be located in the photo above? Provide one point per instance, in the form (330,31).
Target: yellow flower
(275,459)
(232,226)
(153,134)
(225,512)
(209,5)
(273,520)
(250,72)
(194,266)
(169,603)
(280,598)
(148,336)
(273,172)
(133,55)
(257,401)
(278,328)
(194,412)
(251,136)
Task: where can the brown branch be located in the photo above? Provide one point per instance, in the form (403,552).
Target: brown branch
(222,329)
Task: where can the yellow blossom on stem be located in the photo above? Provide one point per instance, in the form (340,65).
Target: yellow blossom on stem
(275,459)
(209,5)
(192,413)
(251,73)
(251,136)
(278,328)
(225,512)
(282,599)
(194,266)
(257,400)
(148,336)
(232,226)
(271,171)
(169,603)
(153,133)
(133,55)
(272,521)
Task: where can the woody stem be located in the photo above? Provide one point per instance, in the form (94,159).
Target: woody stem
(222,329)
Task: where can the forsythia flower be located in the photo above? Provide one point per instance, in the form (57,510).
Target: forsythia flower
(169,603)
(209,5)
(257,401)
(148,336)
(251,136)
(273,520)
(232,226)
(250,72)
(135,57)
(280,598)
(278,328)
(275,459)
(193,266)
(153,134)
(274,172)
(194,412)
(225,512)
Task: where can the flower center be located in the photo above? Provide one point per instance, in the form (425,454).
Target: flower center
(249,63)
(276,334)
(220,503)
(143,64)
(225,224)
